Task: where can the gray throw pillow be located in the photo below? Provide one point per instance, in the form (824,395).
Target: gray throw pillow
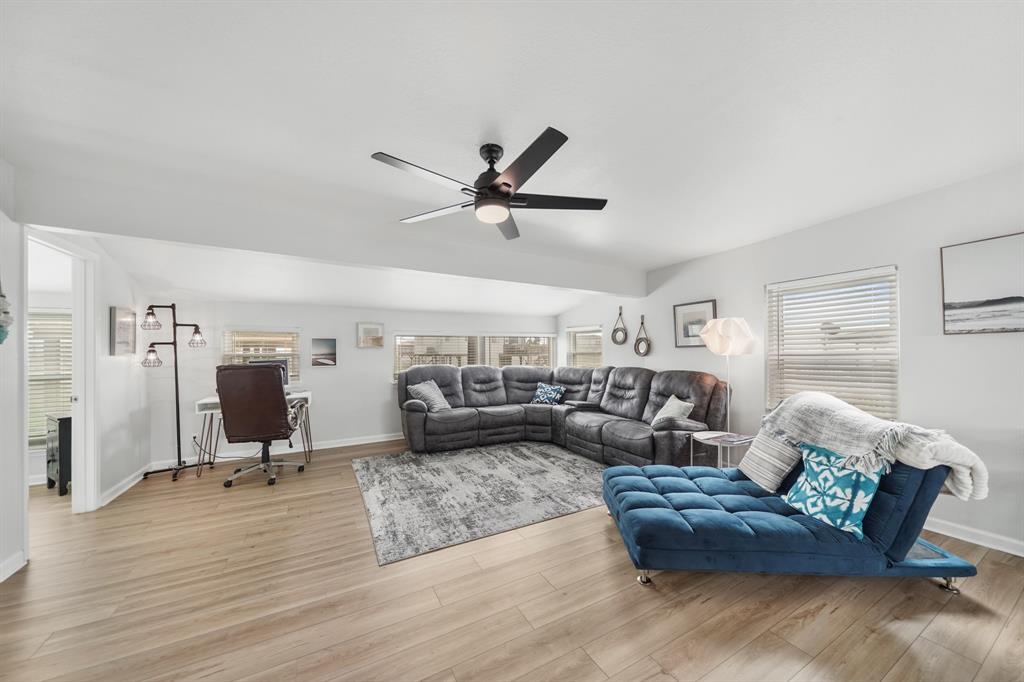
(429,393)
(674,408)
(768,461)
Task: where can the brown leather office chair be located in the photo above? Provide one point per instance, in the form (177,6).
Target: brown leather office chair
(254,410)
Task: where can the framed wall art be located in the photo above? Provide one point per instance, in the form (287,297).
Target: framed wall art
(690,318)
(983,285)
(324,352)
(369,335)
(122,331)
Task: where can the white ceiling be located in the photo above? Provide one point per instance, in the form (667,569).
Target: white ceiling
(707,125)
(184,271)
(48,271)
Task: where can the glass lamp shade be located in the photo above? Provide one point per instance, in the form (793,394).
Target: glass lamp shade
(197,340)
(491,210)
(150,322)
(152,359)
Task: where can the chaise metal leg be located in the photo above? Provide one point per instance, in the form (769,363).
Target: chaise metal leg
(949,585)
(644,578)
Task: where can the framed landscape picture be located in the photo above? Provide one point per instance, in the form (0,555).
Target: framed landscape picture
(324,352)
(690,318)
(983,285)
(369,335)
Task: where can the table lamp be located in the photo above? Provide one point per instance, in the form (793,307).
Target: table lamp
(728,336)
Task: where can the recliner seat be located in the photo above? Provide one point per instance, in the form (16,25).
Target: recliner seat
(605,414)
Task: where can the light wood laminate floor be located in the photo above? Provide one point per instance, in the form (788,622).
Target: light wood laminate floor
(190,580)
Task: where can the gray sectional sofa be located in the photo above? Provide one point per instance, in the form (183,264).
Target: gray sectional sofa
(605,414)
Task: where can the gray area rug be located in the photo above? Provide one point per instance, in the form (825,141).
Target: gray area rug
(419,502)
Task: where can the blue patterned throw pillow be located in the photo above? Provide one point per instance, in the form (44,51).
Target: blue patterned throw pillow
(547,394)
(831,492)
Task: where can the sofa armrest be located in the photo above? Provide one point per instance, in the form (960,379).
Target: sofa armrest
(414,406)
(583,405)
(680,425)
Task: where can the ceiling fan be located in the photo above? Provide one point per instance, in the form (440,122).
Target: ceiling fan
(494,194)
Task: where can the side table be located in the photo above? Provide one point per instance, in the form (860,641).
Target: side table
(721,439)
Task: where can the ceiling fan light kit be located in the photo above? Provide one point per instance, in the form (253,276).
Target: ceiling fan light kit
(495,193)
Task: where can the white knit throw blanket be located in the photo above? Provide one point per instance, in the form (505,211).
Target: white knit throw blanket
(868,443)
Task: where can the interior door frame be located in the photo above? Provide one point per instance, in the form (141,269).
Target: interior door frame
(85,463)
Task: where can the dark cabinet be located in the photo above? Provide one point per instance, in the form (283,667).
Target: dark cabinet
(58,453)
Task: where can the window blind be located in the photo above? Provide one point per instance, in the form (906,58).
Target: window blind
(497,351)
(242,346)
(49,370)
(838,334)
(584,347)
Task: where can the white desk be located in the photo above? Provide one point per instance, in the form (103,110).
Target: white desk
(209,436)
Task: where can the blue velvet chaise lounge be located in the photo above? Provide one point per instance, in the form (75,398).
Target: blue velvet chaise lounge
(708,519)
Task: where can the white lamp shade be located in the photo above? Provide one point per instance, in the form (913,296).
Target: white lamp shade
(728,336)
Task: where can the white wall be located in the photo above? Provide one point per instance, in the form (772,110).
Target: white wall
(352,402)
(971,385)
(13,491)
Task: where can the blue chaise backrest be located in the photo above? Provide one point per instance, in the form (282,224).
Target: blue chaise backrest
(899,509)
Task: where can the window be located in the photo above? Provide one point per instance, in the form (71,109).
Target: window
(838,334)
(49,370)
(242,346)
(584,347)
(496,351)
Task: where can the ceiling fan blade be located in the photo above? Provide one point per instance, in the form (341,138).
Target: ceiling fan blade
(421,171)
(530,161)
(508,228)
(556,202)
(455,208)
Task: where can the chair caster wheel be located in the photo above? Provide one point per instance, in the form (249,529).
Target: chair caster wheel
(237,470)
(302,467)
(227,484)
(644,578)
(271,481)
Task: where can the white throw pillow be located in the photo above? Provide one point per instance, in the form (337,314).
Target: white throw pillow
(674,408)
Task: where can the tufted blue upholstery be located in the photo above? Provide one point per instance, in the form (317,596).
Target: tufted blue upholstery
(670,517)
(702,518)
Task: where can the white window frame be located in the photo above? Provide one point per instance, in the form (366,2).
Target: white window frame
(569,345)
(865,377)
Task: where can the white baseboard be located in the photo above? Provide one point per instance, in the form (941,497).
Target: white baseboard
(978,537)
(114,492)
(283,449)
(12,565)
(38,479)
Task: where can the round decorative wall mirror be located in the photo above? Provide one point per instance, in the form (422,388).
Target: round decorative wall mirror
(619,333)
(642,345)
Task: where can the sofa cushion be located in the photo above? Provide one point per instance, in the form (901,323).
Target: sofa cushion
(447,378)
(499,416)
(455,420)
(598,383)
(576,381)
(586,425)
(630,436)
(521,381)
(626,392)
(691,387)
(483,385)
(702,517)
(430,395)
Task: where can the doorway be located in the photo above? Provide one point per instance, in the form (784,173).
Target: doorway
(61,462)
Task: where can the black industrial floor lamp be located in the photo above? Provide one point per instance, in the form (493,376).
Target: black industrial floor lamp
(152,359)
